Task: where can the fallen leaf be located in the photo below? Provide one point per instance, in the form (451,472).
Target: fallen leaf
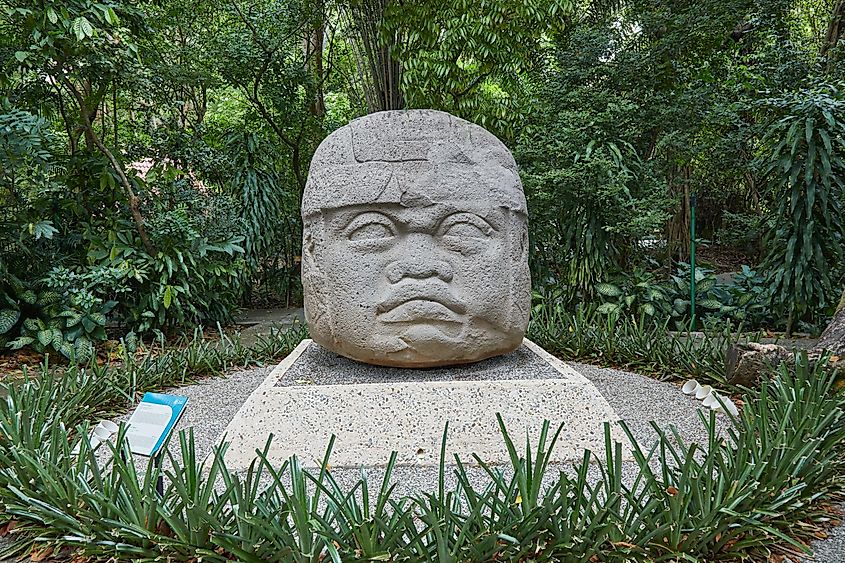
(40,555)
(8,527)
(624,544)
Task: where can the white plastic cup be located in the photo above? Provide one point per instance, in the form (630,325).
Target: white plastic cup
(690,387)
(730,406)
(100,435)
(711,401)
(108,426)
(703,391)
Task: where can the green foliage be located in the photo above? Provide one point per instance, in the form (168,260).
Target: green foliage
(257,49)
(8,319)
(617,113)
(742,230)
(270,215)
(804,156)
(590,197)
(27,178)
(71,330)
(64,316)
(710,298)
(198,272)
(641,344)
(674,87)
(638,294)
(726,498)
(743,301)
(79,48)
(748,298)
(24,149)
(467,56)
(73,31)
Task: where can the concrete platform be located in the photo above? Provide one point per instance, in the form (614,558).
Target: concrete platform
(314,394)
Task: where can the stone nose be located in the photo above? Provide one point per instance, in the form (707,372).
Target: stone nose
(422,269)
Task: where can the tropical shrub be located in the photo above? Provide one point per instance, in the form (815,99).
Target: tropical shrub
(750,299)
(637,293)
(198,271)
(804,158)
(742,301)
(269,207)
(590,198)
(711,299)
(68,327)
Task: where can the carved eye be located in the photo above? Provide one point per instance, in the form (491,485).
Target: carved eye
(465,233)
(371,231)
(466,225)
(465,229)
(370,226)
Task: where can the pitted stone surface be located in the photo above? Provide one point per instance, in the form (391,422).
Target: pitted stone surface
(408,414)
(415,245)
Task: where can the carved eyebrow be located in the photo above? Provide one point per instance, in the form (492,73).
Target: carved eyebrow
(339,219)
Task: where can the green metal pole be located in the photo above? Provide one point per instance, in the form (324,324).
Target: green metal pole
(692,202)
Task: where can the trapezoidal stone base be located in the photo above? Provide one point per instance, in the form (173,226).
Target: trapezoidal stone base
(373,411)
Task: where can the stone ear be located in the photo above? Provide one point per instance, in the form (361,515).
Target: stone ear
(520,288)
(317,310)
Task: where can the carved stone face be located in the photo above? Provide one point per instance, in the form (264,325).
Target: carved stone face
(415,242)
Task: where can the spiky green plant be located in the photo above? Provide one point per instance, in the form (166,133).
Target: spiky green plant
(757,482)
(642,345)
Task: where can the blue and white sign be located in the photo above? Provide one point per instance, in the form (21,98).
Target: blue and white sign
(152,422)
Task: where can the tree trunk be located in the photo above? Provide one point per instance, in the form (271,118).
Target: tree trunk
(745,362)
(678,226)
(835,32)
(313,51)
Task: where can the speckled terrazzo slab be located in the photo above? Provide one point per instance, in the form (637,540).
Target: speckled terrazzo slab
(318,366)
(373,411)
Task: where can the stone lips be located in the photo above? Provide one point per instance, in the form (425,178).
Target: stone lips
(415,242)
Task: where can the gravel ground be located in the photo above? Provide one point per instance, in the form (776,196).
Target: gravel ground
(832,549)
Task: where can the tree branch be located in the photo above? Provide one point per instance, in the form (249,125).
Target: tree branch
(134,206)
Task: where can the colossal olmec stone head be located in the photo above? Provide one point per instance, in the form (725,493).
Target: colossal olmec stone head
(415,242)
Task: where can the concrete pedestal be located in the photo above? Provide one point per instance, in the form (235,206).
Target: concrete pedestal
(314,394)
